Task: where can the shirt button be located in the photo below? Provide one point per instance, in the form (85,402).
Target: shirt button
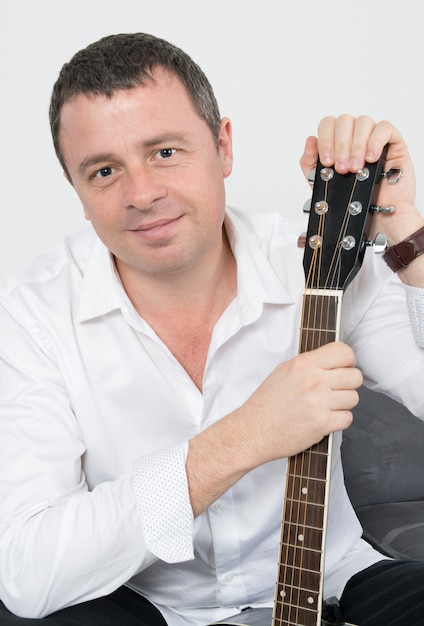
(219,507)
(228,578)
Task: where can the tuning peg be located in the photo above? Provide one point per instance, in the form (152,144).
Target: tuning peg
(379,244)
(392,176)
(307,206)
(374,208)
(301,240)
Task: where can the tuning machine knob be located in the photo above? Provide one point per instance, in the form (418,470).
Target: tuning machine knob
(379,243)
(307,206)
(387,210)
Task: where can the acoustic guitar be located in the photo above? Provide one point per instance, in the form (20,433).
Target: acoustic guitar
(335,245)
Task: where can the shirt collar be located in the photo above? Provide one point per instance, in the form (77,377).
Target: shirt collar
(99,291)
(257,282)
(255,274)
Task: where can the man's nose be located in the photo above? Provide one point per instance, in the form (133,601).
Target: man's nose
(143,185)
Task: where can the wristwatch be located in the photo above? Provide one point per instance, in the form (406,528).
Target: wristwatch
(400,256)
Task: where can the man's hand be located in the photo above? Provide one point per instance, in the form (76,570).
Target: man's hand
(299,403)
(347,143)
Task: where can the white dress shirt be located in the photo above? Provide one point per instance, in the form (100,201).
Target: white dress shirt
(96,414)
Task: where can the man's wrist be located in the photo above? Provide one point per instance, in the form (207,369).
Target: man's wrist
(399,256)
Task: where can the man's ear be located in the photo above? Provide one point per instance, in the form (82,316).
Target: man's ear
(225,142)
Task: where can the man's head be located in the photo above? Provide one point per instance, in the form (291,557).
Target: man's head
(125,61)
(134,124)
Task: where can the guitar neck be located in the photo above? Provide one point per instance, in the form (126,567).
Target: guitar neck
(321,314)
(298,598)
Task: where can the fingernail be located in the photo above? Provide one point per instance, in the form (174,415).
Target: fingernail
(327,159)
(341,165)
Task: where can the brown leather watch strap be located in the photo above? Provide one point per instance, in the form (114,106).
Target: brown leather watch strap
(400,256)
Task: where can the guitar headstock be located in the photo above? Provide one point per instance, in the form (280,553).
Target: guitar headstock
(336,237)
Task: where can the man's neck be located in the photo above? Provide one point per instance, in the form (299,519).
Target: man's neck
(183,308)
(192,289)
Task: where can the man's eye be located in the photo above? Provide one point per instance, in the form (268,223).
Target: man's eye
(104,172)
(165,153)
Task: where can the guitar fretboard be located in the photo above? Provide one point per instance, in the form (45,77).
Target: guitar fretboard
(298,598)
(320,318)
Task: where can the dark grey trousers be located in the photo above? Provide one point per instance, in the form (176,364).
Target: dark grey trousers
(390,593)
(122,608)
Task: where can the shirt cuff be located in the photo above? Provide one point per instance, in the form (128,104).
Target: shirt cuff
(415,302)
(161,489)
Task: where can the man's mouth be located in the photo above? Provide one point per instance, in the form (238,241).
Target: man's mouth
(157,229)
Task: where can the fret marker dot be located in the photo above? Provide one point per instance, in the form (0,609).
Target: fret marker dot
(282,593)
(304,490)
(310,600)
(300,537)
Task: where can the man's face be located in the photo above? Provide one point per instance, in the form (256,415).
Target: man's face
(149,174)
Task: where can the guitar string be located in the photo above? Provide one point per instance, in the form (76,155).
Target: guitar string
(282,600)
(297,551)
(333,278)
(285,546)
(322,309)
(327,305)
(293,603)
(310,344)
(289,602)
(313,339)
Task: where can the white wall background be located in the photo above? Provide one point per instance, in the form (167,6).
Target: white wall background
(277,66)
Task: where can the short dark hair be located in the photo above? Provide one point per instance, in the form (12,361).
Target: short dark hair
(125,61)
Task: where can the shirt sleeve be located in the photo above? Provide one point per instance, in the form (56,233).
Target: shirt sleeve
(160,484)
(62,542)
(415,303)
(384,323)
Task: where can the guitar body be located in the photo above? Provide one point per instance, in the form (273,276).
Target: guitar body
(264,617)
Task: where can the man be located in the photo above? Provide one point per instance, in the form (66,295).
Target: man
(151,387)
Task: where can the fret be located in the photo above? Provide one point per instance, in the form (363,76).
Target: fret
(315,339)
(295,558)
(288,614)
(299,578)
(320,318)
(310,464)
(301,533)
(319,448)
(307,489)
(303,599)
(308,514)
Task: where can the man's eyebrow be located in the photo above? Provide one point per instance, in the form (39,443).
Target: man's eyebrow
(165,138)
(95,160)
